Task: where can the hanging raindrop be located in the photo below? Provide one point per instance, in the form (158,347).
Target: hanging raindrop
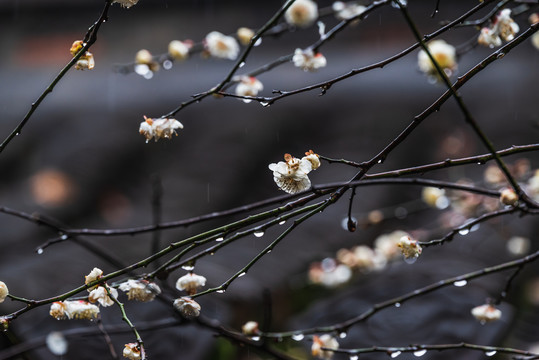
(398,305)
(298,337)
(460,283)
(39,251)
(420,353)
(490,353)
(242,274)
(343,335)
(259,233)
(188,267)
(222,291)
(410,260)
(464,232)
(395,354)
(219,239)
(282,222)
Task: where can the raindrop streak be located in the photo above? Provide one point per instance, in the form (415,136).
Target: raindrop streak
(39,251)
(395,354)
(464,232)
(298,337)
(460,283)
(420,353)
(258,233)
(490,353)
(219,239)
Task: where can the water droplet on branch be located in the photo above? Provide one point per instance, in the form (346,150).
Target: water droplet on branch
(259,233)
(395,354)
(298,337)
(420,353)
(490,353)
(460,283)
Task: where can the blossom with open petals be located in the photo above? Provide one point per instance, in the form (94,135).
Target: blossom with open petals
(132,351)
(190,283)
(179,50)
(95,274)
(4,292)
(302,13)
(503,27)
(73,309)
(444,54)
(410,248)
(325,341)
(248,86)
(486,313)
(100,295)
(307,60)
(187,307)
(291,175)
(126,3)
(140,290)
(221,46)
(159,128)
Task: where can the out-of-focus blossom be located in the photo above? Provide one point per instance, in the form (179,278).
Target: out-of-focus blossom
(362,258)
(76,309)
(187,307)
(508,197)
(100,295)
(328,273)
(291,175)
(518,245)
(532,187)
(144,63)
(57,343)
(179,50)
(345,11)
(386,244)
(248,86)
(190,283)
(410,248)
(493,175)
(132,351)
(302,13)
(486,313)
(534,18)
(126,3)
(159,128)
(250,328)
(245,35)
(435,197)
(445,56)
(489,37)
(221,46)
(307,60)
(503,27)
(324,341)
(140,290)
(4,291)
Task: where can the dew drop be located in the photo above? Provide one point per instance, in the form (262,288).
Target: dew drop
(39,251)
(242,274)
(222,291)
(17,134)
(460,283)
(298,337)
(242,64)
(147,141)
(420,353)
(258,42)
(264,104)
(167,64)
(464,232)
(343,335)
(219,239)
(258,233)
(398,305)
(395,354)
(188,267)
(410,260)
(282,222)
(490,353)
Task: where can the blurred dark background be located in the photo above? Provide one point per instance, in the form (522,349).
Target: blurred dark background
(81,160)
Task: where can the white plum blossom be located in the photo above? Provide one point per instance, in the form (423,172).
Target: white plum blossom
(503,27)
(410,248)
(86,61)
(126,3)
(132,351)
(140,290)
(250,328)
(307,60)
(4,292)
(434,197)
(486,313)
(100,295)
(187,307)
(444,54)
(532,187)
(508,197)
(95,274)
(73,309)
(345,11)
(324,341)
(159,128)
(245,35)
(248,86)
(302,13)
(190,283)
(221,46)
(386,244)
(57,343)
(179,50)
(291,175)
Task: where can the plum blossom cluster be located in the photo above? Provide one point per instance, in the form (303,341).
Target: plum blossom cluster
(410,248)
(291,176)
(190,283)
(86,61)
(308,60)
(362,259)
(248,86)
(159,128)
(445,56)
(140,290)
(4,291)
(74,309)
(323,345)
(221,46)
(486,313)
(132,351)
(503,27)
